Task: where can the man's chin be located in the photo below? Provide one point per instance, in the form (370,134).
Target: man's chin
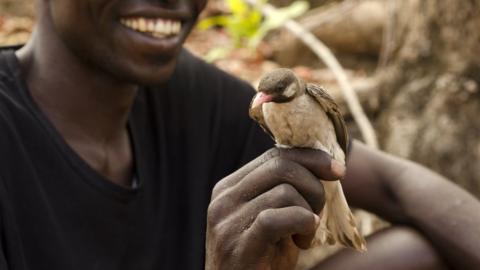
(153,76)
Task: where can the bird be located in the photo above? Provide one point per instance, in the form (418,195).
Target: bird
(299,114)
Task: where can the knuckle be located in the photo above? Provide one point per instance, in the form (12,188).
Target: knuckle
(271,153)
(282,168)
(215,212)
(304,219)
(265,221)
(286,193)
(221,239)
(220,231)
(306,216)
(218,188)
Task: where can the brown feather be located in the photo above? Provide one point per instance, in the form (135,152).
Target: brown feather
(333,112)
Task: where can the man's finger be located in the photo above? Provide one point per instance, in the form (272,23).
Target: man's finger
(305,241)
(238,175)
(318,162)
(273,225)
(276,172)
(280,196)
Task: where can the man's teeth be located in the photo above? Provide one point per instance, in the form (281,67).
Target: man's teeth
(155,27)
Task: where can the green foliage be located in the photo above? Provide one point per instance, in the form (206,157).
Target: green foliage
(278,19)
(246,24)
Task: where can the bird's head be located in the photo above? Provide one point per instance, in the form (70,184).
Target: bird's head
(279,86)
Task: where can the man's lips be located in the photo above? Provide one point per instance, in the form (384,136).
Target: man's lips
(154,34)
(155,27)
(261,98)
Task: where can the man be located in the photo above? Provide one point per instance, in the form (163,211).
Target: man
(113,138)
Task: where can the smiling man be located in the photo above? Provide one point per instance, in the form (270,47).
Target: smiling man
(113,138)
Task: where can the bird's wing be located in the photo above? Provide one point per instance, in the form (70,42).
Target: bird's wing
(257,115)
(333,112)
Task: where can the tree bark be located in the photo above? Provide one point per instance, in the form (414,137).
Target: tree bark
(352,29)
(429,88)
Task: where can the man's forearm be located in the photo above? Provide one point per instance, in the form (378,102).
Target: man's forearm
(394,248)
(404,192)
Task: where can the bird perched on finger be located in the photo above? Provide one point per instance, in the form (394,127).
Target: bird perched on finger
(299,114)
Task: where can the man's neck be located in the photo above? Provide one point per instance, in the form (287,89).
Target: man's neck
(88,107)
(66,89)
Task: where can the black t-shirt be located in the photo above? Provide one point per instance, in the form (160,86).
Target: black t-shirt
(56,212)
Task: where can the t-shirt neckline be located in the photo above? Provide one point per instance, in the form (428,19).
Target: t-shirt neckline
(87,173)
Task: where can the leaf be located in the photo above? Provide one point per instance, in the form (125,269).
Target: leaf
(282,15)
(213,21)
(277,19)
(237,6)
(217,53)
(246,24)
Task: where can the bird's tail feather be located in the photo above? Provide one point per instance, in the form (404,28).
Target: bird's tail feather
(337,223)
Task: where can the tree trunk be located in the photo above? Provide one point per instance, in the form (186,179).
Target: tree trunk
(352,29)
(429,94)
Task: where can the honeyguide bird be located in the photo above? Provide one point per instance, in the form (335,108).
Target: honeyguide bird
(299,114)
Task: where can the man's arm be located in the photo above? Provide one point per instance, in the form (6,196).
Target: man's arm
(406,193)
(394,248)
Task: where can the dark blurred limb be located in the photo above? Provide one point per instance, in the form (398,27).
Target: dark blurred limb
(406,193)
(396,248)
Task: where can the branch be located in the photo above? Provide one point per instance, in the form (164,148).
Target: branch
(388,34)
(332,63)
(341,9)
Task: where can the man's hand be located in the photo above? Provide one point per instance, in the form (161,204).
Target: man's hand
(261,215)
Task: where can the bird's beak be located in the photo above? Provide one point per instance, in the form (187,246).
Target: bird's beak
(261,98)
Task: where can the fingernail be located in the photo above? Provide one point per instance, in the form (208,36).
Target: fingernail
(338,168)
(317,220)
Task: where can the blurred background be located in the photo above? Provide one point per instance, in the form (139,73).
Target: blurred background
(414,65)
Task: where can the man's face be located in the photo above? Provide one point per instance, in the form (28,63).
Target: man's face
(136,41)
